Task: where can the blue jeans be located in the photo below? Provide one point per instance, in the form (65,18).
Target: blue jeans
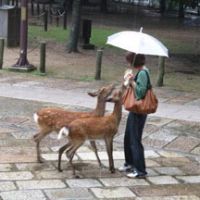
(133,148)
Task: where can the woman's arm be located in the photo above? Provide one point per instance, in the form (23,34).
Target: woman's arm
(141,85)
(128,76)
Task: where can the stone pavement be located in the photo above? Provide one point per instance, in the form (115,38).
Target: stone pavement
(173,104)
(172,148)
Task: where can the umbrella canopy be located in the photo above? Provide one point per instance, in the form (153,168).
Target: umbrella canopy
(138,42)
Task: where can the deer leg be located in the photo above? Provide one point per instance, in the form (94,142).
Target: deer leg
(69,151)
(39,159)
(70,162)
(94,147)
(70,154)
(72,150)
(61,150)
(109,147)
(37,138)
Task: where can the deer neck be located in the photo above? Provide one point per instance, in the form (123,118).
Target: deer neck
(117,112)
(100,108)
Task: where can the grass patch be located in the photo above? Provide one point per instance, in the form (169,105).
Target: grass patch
(183,82)
(56,34)
(38,73)
(99,36)
(87,78)
(176,46)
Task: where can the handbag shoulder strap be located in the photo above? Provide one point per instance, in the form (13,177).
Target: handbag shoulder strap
(136,76)
(149,86)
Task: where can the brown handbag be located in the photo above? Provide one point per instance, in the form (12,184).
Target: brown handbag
(146,105)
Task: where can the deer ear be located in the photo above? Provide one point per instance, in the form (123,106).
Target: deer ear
(93,94)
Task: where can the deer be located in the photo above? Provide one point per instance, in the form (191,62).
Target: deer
(92,129)
(53,119)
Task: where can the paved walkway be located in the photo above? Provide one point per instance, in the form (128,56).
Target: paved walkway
(171,139)
(174,105)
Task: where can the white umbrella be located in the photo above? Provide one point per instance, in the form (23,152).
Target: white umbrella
(138,42)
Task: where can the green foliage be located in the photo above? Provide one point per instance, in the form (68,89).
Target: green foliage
(100,34)
(191,3)
(54,33)
(99,37)
(87,78)
(179,47)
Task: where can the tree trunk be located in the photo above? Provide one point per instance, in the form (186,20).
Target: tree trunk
(162,6)
(69,6)
(161,71)
(181,9)
(104,6)
(75,27)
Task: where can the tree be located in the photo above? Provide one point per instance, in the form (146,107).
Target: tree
(104,6)
(181,9)
(182,4)
(22,62)
(161,71)
(75,26)
(162,6)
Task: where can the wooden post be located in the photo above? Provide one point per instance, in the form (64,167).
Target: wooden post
(43,57)
(38,10)
(161,71)
(43,7)
(1,52)
(57,21)
(65,20)
(45,20)
(17,3)
(32,8)
(50,13)
(98,64)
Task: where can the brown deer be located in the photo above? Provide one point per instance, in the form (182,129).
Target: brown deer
(53,119)
(93,128)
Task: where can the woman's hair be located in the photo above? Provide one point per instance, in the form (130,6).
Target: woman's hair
(139,59)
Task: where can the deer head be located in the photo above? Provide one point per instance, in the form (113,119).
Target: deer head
(115,96)
(103,92)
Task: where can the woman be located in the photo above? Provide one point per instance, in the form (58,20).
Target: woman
(133,148)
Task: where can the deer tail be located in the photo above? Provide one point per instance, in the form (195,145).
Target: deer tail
(35,117)
(62,131)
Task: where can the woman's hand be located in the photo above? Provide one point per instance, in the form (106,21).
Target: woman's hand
(128,79)
(133,84)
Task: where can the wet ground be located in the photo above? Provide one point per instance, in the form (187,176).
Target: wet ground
(172,148)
